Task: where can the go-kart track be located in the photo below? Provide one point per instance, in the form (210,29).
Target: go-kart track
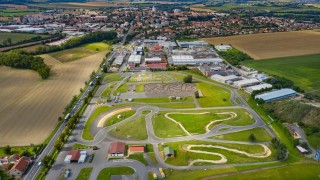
(202,145)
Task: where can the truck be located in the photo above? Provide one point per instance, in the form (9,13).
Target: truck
(67,117)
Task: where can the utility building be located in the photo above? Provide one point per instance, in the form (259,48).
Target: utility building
(276,95)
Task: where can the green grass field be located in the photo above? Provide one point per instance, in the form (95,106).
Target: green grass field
(162,100)
(213,96)
(201,120)
(106,173)
(139,77)
(84,174)
(80,52)
(134,129)
(17,12)
(114,119)
(17,150)
(302,70)
(165,128)
(16,37)
(177,105)
(260,133)
(296,171)
(112,77)
(138,157)
(140,88)
(122,89)
(106,93)
(183,158)
(80,146)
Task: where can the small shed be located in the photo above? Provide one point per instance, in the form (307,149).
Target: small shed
(82,158)
(169,152)
(302,150)
(67,160)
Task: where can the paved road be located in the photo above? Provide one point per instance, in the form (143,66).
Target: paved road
(102,138)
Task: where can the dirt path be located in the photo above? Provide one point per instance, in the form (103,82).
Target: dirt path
(266,153)
(103,120)
(233,115)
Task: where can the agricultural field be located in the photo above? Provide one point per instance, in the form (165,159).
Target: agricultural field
(302,70)
(31,110)
(198,152)
(16,37)
(16,12)
(79,52)
(141,77)
(279,44)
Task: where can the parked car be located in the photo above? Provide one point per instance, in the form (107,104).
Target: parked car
(39,163)
(67,173)
(94,147)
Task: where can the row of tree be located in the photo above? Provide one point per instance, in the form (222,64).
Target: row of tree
(8,42)
(20,60)
(234,56)
(281,82)
(281,149)
(77,41)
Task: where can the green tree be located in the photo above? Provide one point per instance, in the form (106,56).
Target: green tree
(187,79)
(58,144)
(9,40)
(252,137)
(7,150)
(46,161)
(196,94)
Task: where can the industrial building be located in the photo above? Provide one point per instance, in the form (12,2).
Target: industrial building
(276,95)
(246,83)
(134,59)
(223,47)
(192,44)
(153,60)
(225,79)
(189,60)
(258,87)
(119,60)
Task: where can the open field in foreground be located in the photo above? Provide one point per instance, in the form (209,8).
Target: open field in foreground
(16,37)
(79,52)
(30,107)
(270,45)
(302,70)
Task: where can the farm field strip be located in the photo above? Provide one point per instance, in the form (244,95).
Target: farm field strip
(279,44)
(31,111)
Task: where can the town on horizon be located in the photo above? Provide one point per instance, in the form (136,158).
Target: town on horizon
(159,89)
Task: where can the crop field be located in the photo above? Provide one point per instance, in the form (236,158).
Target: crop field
(16,12)
(79,52)
(280,44)
(30,106)
(302,70)
(16,37)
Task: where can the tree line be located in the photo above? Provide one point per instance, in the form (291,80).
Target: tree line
(20,60)
(234,56)
(77,41)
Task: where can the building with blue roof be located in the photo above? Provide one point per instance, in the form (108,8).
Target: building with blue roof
(276,95)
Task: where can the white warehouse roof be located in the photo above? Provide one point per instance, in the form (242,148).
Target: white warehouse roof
(258,87)
(134,58)
(223,47)
(246,82)
(223,79)
(118,60)
(153,59)
(275,95)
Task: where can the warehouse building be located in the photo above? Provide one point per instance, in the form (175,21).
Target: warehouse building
(246,83)
(153,60)
(258,87)
(223,47)
(276,95)
(134,59)
(192,44)
(189,60)
(225,79)
(119,60)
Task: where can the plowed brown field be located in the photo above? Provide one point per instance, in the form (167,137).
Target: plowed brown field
(30,107)
(270,45)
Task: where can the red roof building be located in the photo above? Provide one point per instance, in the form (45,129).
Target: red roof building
(162,66)
(117,149)
(75,155)
(136,149)
(19,167)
